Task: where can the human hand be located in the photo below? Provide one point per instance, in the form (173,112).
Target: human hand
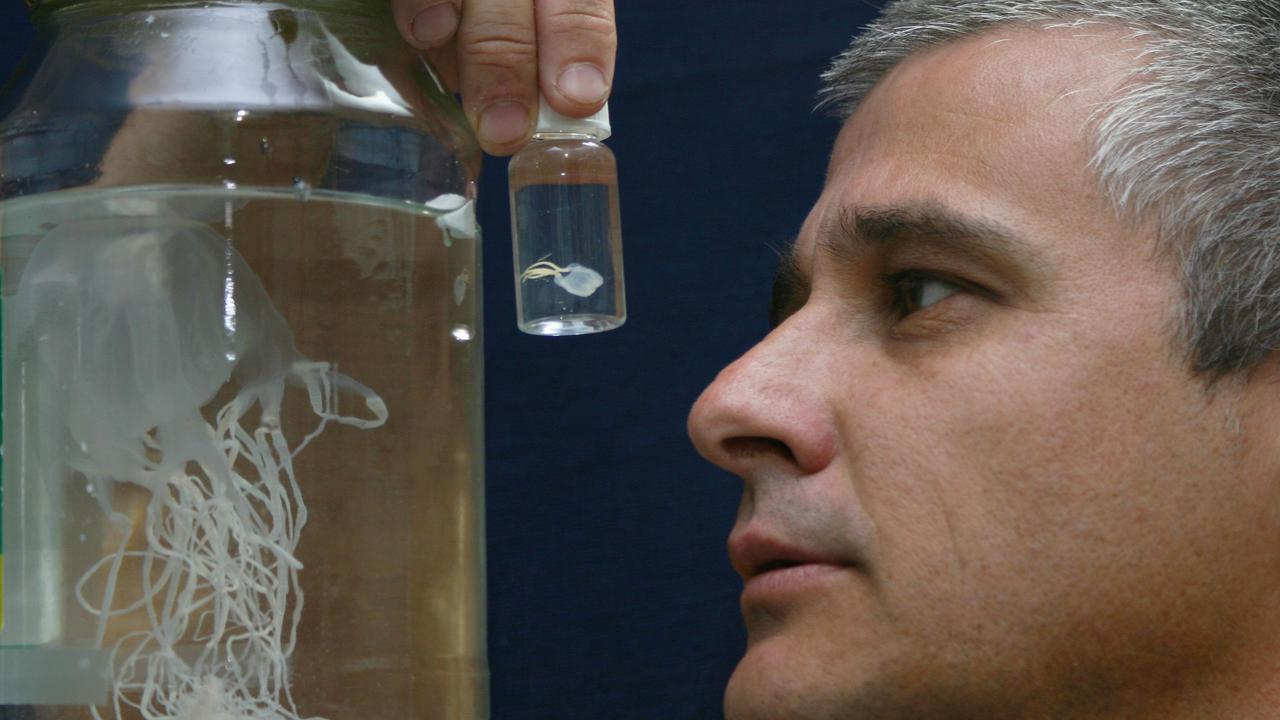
(500,53)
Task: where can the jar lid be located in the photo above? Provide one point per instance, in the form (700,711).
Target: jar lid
(597,125)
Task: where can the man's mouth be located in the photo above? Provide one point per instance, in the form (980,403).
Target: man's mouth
(777,565)
(755,552)
(778,569)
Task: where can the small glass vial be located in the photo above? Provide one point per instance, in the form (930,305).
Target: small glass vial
(565,228)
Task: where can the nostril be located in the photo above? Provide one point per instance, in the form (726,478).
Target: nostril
(756,448)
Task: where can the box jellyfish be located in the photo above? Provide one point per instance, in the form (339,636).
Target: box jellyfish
(134,326)
(573,278)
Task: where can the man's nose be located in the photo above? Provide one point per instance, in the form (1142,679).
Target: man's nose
(769,408)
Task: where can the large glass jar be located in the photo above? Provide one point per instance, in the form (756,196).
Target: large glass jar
(242,471)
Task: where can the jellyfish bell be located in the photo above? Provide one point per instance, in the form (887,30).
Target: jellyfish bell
(579,280)
(137,323)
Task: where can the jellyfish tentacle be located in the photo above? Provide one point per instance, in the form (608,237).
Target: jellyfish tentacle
(108,593)
(542,269)
(373,402)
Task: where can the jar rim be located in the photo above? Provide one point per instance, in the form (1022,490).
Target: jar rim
(44,5)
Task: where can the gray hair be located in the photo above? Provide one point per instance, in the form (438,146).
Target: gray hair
(1191,141)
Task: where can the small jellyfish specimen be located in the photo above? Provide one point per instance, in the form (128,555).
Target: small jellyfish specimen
(573,278)
(132,326)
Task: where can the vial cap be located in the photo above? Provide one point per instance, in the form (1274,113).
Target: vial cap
(597,126)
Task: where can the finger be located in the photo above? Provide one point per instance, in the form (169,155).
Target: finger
(427,24)
(497,64)
(577,42)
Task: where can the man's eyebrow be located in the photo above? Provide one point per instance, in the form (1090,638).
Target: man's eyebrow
(853,230)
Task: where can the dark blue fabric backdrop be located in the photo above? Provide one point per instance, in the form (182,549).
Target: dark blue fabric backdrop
(610,594)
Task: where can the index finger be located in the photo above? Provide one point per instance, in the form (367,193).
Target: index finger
(497,67)
(577,44)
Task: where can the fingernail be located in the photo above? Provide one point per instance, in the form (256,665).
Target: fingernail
(436,24)
(582,83)
(503,123)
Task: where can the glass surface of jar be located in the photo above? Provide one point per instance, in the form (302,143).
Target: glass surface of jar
(242,457)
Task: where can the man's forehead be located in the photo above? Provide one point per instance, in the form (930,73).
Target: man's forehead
(1033,67)
(996,125)
(1007,80)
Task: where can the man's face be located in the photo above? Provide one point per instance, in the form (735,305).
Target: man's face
(973,430)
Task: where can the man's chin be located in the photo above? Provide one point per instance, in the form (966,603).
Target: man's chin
(802,676)
(779,677)
(754,693)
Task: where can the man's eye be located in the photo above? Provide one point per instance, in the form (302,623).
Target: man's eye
(914,291)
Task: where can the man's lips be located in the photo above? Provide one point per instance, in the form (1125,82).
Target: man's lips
(755,552)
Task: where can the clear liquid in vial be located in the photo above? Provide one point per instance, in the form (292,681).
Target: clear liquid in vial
(568,248)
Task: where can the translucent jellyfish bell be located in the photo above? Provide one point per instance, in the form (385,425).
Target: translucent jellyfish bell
(137,323)
(579,280)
